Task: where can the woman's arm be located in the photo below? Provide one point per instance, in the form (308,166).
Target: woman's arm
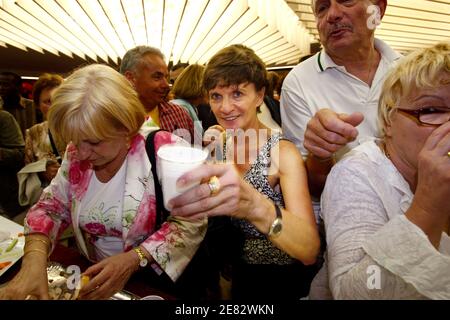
(372,253)
(172,247)
(239,199)
(51,214)
(32,277)
(169,249)
(299,236)
(430,209)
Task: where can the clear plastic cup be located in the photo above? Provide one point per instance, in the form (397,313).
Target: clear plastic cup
(173,162)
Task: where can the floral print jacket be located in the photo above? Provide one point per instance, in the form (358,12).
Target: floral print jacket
(172,246)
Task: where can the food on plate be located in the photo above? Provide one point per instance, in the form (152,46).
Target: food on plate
(11,245)
(4,264)
(60,287)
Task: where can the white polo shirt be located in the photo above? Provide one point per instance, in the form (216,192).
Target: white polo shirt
(319,83)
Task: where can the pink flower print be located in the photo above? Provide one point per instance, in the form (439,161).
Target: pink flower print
(74,173)
(115,233)
(38,221)
(163,138)
(175,235)
(144,222)
(51,204)
(79,177)
(163,232)
(95,228)
(137,142)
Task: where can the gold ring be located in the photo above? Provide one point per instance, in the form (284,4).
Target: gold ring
(214,185)
(448,153)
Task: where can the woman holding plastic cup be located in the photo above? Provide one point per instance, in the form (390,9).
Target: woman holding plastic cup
(261,184)
(105,190)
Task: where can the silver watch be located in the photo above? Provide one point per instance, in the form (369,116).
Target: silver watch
(277,224)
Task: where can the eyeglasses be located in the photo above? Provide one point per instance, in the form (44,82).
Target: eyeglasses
(431,116)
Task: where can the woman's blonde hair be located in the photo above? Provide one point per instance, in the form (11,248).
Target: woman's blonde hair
(189,84)
(424,68)
(95,102)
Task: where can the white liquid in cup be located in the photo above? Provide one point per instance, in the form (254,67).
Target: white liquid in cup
(173,162)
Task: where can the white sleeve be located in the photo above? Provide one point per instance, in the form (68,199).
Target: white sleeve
(363,243)
(295,112)
(405,250)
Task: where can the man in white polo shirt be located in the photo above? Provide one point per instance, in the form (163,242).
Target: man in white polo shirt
(326,97)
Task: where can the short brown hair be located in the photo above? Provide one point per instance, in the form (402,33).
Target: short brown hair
(189,84)
(234,65)
(46,80)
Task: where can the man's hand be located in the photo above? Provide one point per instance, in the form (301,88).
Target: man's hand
(327,132)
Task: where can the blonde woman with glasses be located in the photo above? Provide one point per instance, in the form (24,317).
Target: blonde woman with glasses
(386,205)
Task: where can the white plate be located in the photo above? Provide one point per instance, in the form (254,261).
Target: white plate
(7,259)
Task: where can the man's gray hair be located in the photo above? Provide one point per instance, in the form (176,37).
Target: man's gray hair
(133,57)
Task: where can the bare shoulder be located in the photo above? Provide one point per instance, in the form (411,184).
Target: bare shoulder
(288,151)
(287,156)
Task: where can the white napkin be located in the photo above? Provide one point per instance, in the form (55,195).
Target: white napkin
(4,235)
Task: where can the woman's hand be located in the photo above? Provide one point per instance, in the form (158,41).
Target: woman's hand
(30,282)
(212,134)
(235,197)
(431,205)
(109,275)
(433,180)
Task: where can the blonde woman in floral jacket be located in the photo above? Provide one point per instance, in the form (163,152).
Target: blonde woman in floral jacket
(105,190)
